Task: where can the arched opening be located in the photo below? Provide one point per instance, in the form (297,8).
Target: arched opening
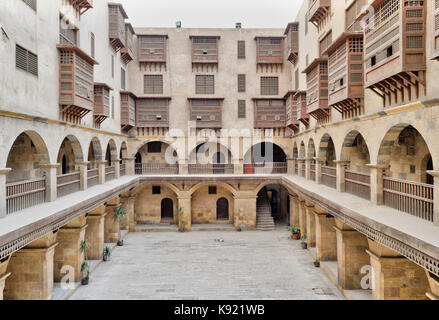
(311,155)
(210,158)
(296,156)
(265,158)
(222,209)
(70,152)
(167,210)
(406,184)
(123,155)
(110,158)
(94,153)
(327,152)
(156,157)
(272,207)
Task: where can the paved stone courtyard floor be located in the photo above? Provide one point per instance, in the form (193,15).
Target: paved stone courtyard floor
(209,265)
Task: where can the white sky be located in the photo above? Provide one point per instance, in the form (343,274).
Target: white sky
(211,13)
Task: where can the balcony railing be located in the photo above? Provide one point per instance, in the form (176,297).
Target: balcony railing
(266,168)
(110,173)
(410,197)
(92,177)
(211,169)
(68,183)
(156,168)
(303,168)
(25,194)
(329,177)
(312,172)
(123,170)
(358,184)
(296,168)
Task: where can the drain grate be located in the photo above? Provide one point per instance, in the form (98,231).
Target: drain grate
(323,291)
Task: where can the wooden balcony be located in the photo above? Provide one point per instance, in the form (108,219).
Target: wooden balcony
(291,101)
(101,110)
(435,32)
(317,89)
(318,11)
(204,49)
(395,58)
(76,85)
(269,113)
(81,6)
(127,110)
(345,68)
(302,114)
(292,34)
(270,50)
(127,52)
(152,48)
(207,112)
(117,30)
(152,112)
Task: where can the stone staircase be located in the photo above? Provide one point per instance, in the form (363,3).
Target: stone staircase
(264,219)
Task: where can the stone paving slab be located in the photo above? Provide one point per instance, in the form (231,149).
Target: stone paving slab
(209,265)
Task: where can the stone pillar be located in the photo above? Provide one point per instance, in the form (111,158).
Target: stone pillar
(326,239)
(185,211)
(308,168)
(351,256)
(319,163)
(310,225)
(130,165)
(291,165)
(101,167)
(116,164)
(301,163)
(435,174)
(127,203)
(3,274)
(376,182)
(341,166)
(68,252)
(50,172)
(82,167)
(112,228)
(238,166)
(94,234)
(395,277)
(183,166)
(302,218)
(433,293)
(294,211)
(245,210)
(31,271)
(3,174)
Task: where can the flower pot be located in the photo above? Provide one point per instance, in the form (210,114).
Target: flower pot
(85,281)
(304,245)
(120,243)
(106,258)
(317,264)
(295,236)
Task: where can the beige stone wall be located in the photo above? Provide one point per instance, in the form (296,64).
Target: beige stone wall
(204,206)
(147,206)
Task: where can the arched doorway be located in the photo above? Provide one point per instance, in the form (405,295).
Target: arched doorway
(222,209)
(167,209)
(265,158)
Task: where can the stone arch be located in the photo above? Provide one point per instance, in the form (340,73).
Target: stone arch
(26,154)
(295,151)
(226,186)
(272,152)
(123,153)
(111,152)
(157,151)
(70,153)
(327,150)
(206,153)
(269,182)
(311,151)
(302,150)
(94,152)
(204,204)
(356,150)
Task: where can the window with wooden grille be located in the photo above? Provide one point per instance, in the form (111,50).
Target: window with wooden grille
(26,60)
(153,84)
(241,109)
(31,3)
(204,49)
(112,66)
(204,84)
(156,190)
(152,48)
(155,147)
(325,42)
(92,44)
(241,83)
(296,80)
(269,86)
(68,34)
(122,78)
(241,49)
(112,107)
(270,50)
(351,15)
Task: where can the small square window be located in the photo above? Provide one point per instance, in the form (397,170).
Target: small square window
(412,169)
(212,189)
(154,147)
(156,190)
(373,60)
(390,51)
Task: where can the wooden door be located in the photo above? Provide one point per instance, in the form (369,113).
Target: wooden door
(167,209)
(222,209)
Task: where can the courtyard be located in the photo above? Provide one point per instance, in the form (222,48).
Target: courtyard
(209,265)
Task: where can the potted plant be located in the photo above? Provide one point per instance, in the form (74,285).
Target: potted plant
(85,267)
(119,214)
(304,244)
(317,263)
(295,233)
(107,253)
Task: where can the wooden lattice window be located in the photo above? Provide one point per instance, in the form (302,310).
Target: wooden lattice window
(31,3)
(325,42)
(152,48)
(296,80)
(351,15)
(241,49)
(270,50)
(153,84)
(204,84)
(269,86)
(92,44)
(204,49)
(241,83)
(112,66)
(26,60)
(68,34)
(123,78)
(241,109)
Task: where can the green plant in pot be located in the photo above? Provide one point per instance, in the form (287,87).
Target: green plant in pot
(304,244)
(119,214)
(85,267)
(107,253)
(317,263)
(295,233)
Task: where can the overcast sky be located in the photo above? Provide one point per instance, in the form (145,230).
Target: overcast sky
(211,13)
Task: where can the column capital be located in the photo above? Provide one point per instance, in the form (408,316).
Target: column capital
(50,166)
(82,163)
(4,171)
(434,173)
(101,161)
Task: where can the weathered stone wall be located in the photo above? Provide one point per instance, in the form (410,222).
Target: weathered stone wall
(204,206)
(148,206)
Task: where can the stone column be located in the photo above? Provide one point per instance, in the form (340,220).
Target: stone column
(94,234)
(310,225)
(291,165)
(301,163)
(50,172)
(394,276)
(245,210)
(319,163)
(238,166)
(302,218)
(326,239)
(68,252)
(185,211)
(130,165)
(294,211)
(112,228)
(127,203)
(433,293)
(101,167)
(82,167)
(183,166)
(3,174)
(341,166)
(116,164)
(351,256)
(3,274)
(31,271)
(308,168)
(376,182)
(435,174)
